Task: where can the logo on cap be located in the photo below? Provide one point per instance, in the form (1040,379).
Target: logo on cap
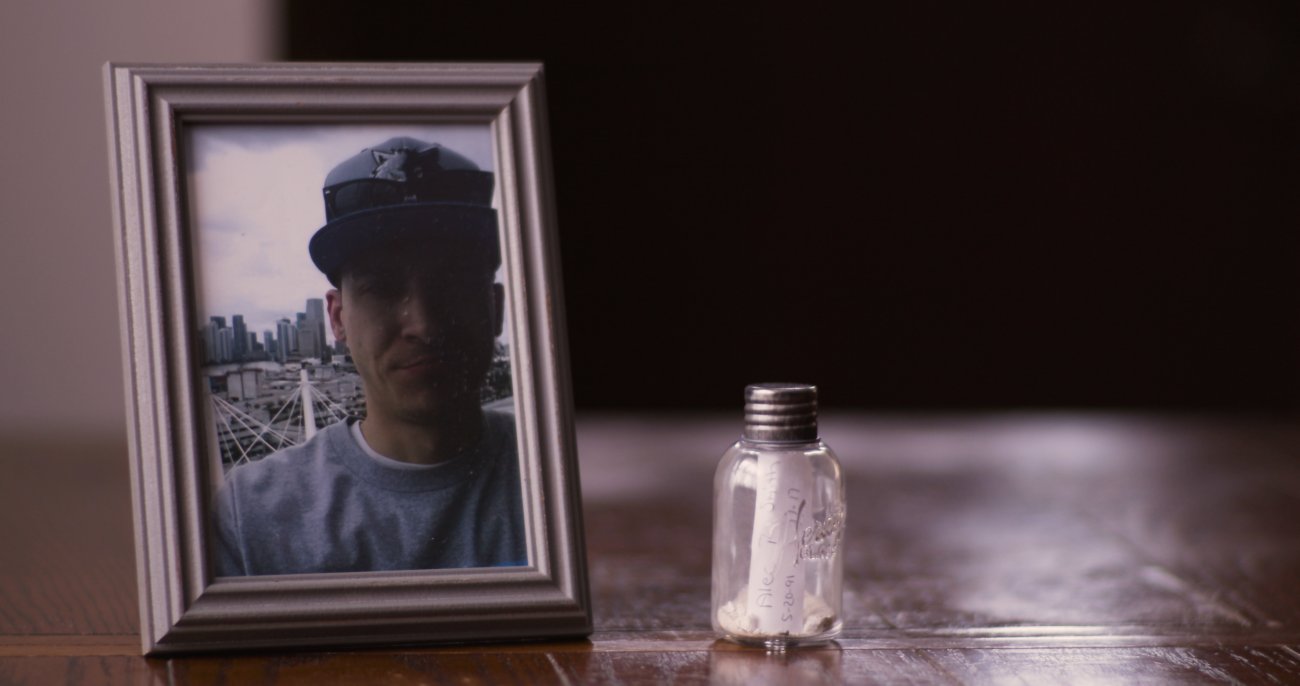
(390,164)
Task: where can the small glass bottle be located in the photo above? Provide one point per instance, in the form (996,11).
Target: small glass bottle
(778,525)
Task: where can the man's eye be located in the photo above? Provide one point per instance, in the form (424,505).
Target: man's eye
(378,288)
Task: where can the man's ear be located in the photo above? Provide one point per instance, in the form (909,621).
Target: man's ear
(334,304)
(499,305)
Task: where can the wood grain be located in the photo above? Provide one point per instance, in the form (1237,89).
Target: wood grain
(65,529)
(982,549)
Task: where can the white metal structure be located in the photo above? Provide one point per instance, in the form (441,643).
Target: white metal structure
(244,438)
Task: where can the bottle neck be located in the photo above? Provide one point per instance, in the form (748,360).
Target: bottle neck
(757,444)
(769,433)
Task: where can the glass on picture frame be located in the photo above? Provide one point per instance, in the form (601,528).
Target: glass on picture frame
(405,326)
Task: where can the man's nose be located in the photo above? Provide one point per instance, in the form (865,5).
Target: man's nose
(418,316)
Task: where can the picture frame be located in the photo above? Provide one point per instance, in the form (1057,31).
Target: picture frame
(157,118)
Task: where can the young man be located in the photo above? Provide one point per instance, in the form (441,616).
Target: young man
(428,479)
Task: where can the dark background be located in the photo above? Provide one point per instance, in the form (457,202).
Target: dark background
(916,206)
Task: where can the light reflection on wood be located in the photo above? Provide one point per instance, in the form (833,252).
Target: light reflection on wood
(1031,548)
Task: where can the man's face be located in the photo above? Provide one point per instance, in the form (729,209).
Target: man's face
(420,330)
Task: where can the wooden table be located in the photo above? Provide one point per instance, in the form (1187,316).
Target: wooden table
(1032,548)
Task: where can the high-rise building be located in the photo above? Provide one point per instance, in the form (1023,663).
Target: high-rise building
(308,340)
(219,321)
(269,343)
(316,315)
(225,344)
(288,336)
(241,337)
(210,342)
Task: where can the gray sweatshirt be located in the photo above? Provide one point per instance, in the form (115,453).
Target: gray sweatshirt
(328,506)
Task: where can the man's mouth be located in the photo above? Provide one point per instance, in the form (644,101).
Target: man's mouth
(422,363)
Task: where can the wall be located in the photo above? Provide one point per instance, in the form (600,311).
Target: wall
(60,348)
(982,205)
(916,204)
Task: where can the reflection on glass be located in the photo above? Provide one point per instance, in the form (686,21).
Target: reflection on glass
(362,408)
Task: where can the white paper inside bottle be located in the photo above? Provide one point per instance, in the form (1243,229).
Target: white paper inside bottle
(776,575)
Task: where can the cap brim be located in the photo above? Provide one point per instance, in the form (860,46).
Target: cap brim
(470,230)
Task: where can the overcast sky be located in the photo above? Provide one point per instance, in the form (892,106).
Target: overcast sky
(255,200)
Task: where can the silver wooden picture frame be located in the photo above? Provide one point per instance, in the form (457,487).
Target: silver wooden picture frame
(158,117)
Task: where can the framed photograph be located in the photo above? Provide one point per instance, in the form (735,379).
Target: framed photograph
(349,410)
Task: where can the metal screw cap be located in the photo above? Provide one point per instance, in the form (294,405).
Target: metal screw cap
(781,412)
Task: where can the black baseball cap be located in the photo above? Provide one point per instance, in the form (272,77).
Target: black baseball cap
(407,188)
